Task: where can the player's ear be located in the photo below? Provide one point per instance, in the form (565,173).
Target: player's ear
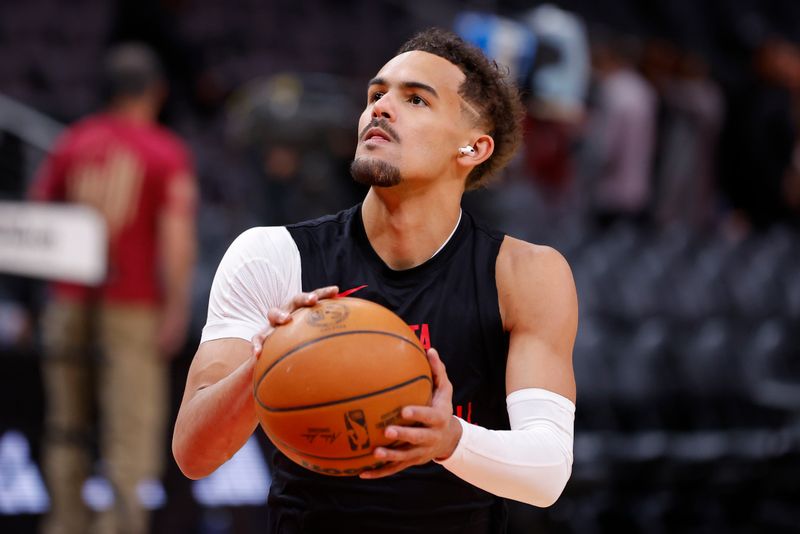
(482,149)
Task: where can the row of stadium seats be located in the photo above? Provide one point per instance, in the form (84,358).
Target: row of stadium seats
(633,275)
(647,374)
(687,362)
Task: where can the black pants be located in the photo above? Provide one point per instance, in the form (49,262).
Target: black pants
(284,520)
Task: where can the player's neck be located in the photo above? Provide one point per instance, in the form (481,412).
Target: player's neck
(406,230)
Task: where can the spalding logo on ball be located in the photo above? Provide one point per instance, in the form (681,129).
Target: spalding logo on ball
(329,382)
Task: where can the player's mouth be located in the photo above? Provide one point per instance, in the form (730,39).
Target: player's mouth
(378,132)
(376,136)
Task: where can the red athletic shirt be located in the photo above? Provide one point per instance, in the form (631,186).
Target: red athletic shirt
(131,173)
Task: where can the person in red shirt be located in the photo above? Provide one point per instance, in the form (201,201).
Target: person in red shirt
(114,339)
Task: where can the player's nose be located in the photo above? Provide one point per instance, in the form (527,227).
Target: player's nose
(384,108)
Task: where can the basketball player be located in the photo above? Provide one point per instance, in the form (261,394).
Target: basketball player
(501,314)
(139,177)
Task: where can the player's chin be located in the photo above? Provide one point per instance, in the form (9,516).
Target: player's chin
(373,171)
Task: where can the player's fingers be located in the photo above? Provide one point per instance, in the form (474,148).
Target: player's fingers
(327,292)
(398,455)
(302,300)
(409,434)
(443,397)
(259,339)
(426,415)
(278,316)
(438,368)
(443,388)
(282,315)
(433,358)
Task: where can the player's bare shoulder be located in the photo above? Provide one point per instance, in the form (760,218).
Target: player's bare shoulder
(532,279)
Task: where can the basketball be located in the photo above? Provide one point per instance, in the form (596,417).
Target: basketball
(331,380)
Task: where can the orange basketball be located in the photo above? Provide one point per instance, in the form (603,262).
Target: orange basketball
(329,382)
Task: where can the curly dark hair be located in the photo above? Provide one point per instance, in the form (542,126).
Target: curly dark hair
(487,88)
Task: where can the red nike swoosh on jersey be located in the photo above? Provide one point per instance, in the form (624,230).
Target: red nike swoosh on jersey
(350,291)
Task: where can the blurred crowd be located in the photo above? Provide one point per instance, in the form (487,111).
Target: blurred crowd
(662,160)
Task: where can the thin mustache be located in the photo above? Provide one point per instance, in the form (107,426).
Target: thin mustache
(383,124)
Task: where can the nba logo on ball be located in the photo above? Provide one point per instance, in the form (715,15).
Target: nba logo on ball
(344,367)
(357,433)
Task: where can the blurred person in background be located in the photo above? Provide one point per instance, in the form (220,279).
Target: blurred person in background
(620,138)
(690,119)
(115,339)
(158,24)
(558,84)
(760,138)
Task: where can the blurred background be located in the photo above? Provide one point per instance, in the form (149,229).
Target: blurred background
(661,157)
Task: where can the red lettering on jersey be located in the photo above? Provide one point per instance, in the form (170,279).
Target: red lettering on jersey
(460,412)
(425,336)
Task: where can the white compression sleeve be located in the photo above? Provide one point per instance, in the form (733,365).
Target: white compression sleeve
(531,462)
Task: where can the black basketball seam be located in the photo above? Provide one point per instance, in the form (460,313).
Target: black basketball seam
(318,339)
(341,401)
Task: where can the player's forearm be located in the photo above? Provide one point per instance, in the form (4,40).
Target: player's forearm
(215,423)
(531,462)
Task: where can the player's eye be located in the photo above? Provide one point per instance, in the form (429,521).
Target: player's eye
(374,97)
(417,100)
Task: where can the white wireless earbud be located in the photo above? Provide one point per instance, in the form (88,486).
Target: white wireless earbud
(466,150)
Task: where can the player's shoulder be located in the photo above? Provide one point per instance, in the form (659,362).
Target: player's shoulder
(484,230)
(326,233)
(258,250)
(259,240)
(333,220)
(533,281)
(520,261)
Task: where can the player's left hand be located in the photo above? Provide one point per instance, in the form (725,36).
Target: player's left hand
(435,439)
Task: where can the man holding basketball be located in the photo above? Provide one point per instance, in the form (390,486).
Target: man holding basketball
(501,314)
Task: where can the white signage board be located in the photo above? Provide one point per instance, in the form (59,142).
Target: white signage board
(53,241)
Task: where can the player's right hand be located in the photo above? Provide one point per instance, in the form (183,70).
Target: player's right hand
(283,314)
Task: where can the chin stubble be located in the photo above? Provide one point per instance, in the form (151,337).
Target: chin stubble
(374,172)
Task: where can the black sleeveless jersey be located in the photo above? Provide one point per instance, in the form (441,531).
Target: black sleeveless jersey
(451,303)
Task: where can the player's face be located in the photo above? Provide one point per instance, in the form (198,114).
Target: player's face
(413,119)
